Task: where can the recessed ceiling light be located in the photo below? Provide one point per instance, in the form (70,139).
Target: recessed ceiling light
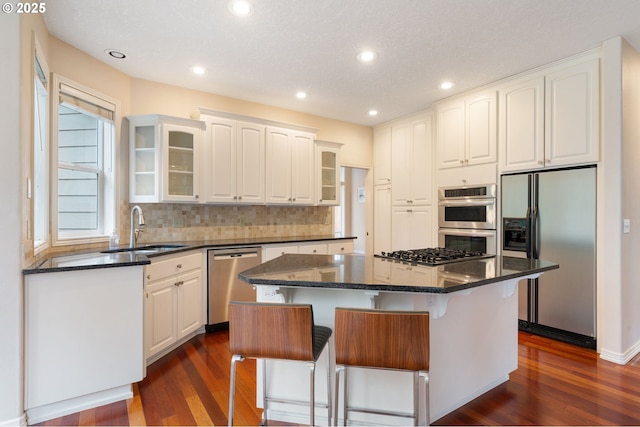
(446,85)
(373,112)
(197,69)
(240,8)
(115,54)
(301,95)
(367,56)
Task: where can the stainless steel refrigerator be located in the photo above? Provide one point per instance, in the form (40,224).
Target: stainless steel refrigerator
(551,215)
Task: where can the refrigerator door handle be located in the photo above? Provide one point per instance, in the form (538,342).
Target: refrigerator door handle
(528,243)
(534,234)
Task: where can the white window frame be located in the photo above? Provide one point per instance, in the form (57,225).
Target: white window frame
(40,111)
(108,190)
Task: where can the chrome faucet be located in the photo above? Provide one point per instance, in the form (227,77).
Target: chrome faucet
(135,232)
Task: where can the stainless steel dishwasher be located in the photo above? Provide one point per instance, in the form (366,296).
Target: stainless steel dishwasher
(223,283)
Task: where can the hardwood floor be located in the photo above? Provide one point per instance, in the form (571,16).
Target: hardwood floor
(555,384)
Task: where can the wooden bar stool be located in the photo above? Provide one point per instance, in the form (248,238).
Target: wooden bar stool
(380,339)
(277,331)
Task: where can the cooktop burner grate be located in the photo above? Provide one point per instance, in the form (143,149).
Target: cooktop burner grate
(433,256)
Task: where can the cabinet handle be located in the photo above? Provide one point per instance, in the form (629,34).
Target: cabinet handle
(320,200)
(235,197)
(466,161)
(462,162)
(548,160)
(540,162)
(289,198)
(409,210)
(315,250)
(148,277)
(239,197)
(179,266)
(196,196)
(180,283)
(294,199)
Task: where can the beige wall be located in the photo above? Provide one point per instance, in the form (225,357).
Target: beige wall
(149,97)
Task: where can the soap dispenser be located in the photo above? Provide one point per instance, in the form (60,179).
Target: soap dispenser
(114,242)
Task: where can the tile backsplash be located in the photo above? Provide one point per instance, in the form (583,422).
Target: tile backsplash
(166,222)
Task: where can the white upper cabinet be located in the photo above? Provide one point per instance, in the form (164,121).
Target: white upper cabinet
(328,173)
(164,159)
(551,119)
(234,162)
(466,131)
(382,156)
(290,172)
(572,114)
(412,162)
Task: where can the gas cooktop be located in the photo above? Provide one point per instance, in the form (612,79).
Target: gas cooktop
(433,256)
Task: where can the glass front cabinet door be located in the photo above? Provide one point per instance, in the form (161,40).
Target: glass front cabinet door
(164,153)
(328,172)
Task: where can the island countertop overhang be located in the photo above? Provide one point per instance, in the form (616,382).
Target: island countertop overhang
(367,272)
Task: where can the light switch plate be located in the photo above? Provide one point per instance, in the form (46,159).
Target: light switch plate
(626,226)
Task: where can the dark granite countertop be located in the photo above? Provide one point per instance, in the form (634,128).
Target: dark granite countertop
(371,273)
(84,260)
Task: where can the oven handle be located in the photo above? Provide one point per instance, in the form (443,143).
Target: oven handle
(469,233)
(487,202)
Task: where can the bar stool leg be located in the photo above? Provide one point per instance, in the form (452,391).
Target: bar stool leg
(312,394)
(427,415)
(232,387)
(264,392)
(339,368)
(416,392)
(346,396)
(329,402)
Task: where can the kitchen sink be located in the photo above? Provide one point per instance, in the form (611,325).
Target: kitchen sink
(149,249)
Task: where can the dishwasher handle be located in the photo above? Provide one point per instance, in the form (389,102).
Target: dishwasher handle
(220,254)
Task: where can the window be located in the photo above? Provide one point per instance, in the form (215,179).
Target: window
(83,196)
(40,153)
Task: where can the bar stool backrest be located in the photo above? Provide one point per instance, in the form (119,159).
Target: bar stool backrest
(271,330)
(382,338)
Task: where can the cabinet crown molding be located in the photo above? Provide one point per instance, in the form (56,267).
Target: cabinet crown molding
(200,111)
(168,119)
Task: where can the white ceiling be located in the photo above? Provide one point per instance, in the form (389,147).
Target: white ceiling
(311,45)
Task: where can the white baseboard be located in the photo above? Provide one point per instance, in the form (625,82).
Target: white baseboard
(621,358)
(20,421)
(159,355)
(77,404)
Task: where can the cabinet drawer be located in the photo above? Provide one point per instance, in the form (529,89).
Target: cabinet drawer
(314,248)
(174,265)
(342,247)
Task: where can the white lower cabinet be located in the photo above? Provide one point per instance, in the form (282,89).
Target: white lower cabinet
(83,339)
(412,227)
(173,306)
(323,247)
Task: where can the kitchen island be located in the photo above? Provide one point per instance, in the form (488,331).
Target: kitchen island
(473,307)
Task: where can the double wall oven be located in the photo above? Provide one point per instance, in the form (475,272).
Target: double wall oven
(467,218)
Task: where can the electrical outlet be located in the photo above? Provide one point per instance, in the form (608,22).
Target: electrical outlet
(626,226)
(269,292)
